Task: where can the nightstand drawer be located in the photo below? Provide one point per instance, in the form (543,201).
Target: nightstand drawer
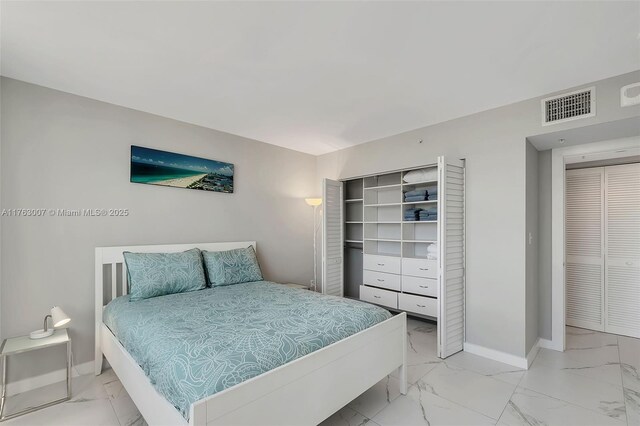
(381,279)
(418,304)
(420,267)
(381,263)
(418,285)
(379,296)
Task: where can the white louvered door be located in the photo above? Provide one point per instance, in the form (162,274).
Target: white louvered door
(584,227)
(451,256)
(622,242)
(332,238)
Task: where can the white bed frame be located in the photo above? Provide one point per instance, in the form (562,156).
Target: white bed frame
(302,392)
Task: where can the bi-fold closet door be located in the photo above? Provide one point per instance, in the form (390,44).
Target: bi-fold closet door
(603,249)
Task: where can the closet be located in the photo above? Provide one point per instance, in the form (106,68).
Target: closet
(603,249)
(396,239)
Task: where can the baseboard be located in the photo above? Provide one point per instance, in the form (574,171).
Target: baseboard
(532,353)
(545,343)
(56,376)
(503,357)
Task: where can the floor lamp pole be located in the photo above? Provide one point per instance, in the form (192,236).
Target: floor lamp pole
(315,249)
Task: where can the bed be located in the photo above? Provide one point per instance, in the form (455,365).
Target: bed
(286,356)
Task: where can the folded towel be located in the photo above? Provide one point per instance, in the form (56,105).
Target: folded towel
(430,210)
(415,198)
(416,192)
(432,197)
(427,218)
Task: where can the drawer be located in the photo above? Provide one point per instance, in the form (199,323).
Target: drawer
(379,296)
(417,285)
(418,304)
(420,267)
(381,279)
(381,263)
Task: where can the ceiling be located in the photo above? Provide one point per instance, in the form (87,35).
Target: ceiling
(316,76)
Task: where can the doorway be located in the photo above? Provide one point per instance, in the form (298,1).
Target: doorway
(560,158)
(602,245)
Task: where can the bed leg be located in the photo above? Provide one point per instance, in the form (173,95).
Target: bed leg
(403,367)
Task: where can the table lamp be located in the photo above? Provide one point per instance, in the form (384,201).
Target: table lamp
(58,318)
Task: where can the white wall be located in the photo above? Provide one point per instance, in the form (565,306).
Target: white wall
(65,151)
(532,238)
(544,246)
(493,143)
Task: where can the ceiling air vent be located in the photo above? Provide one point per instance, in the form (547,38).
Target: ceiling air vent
(569,106)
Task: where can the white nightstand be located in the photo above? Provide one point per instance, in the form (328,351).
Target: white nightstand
(298,286)
(18,345)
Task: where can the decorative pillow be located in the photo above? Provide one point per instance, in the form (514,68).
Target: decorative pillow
(421,175)
(231,266)
(157,274)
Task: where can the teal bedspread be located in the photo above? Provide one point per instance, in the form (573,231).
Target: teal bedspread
(192,345)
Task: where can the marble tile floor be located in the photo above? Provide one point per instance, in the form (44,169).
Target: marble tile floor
(594,382)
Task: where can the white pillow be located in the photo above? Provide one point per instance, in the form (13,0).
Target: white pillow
(421,175)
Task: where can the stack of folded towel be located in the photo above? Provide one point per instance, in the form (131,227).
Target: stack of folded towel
(432,252)
(428,214)
(421,194)
(412,214)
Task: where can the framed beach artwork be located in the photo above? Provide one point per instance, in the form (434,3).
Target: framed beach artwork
(155,167)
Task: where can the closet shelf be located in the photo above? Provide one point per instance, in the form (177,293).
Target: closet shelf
(382,221)
(390,240)
(353,200)
(353,241)
(395,185)
(382,204)
(420,241)
(420,221)
(421,202)
(424,182)
(353,222)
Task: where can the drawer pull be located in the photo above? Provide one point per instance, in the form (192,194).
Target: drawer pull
(421,306)
(381,280)
(377,297)
(423,286)
(424,269)
(380,264)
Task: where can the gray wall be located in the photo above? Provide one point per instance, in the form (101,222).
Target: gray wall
(65,151)
(532,237)
(493,143)
(544,246)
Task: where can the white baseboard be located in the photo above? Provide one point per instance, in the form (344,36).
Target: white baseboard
(503,357)
(545,343)
(532,353)
(56,376)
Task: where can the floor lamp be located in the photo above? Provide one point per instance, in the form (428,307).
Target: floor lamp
(315,203)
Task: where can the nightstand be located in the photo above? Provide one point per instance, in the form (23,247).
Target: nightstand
(298,286)
(18,345)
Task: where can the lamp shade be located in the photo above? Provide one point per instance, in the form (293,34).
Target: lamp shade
(313,201)
(58,317)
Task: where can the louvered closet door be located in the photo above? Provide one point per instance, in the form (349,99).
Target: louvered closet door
(584,271)
(332,238)
(451,256)
(622,277)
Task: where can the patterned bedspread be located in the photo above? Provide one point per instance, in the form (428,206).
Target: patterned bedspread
(192,345)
